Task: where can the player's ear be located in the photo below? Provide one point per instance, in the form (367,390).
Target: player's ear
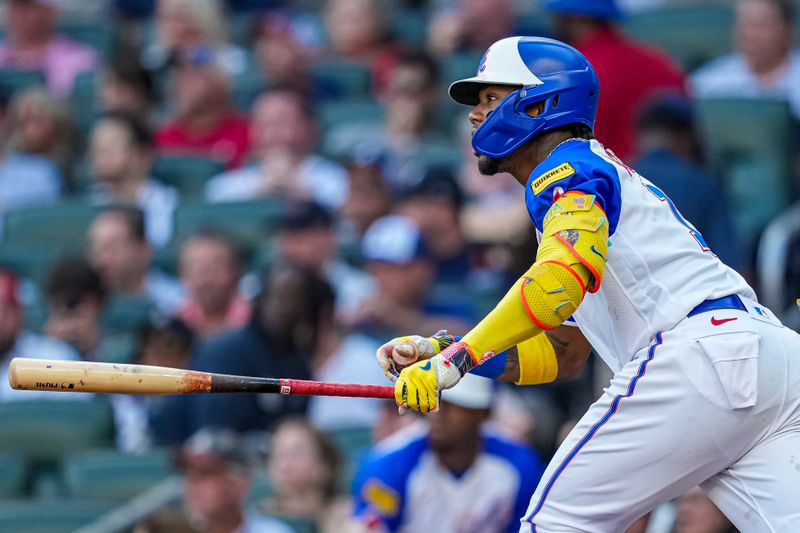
(534,110)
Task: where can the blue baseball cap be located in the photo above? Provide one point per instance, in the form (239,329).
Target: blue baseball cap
(393,239)
(599,9)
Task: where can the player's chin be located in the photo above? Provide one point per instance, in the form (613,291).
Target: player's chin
(488,166)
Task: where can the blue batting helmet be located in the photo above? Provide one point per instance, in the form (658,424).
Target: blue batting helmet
(548,72)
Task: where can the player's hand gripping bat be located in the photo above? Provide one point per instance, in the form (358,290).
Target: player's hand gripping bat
(81,376)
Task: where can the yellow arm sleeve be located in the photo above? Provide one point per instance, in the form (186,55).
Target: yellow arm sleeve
(537,361)
(570,261)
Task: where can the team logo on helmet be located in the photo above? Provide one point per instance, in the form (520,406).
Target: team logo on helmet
(482,64)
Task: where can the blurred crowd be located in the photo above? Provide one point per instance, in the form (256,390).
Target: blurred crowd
(277,187)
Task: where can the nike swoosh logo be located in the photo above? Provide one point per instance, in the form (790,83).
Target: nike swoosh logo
(427,366)
(720,321)
(592,248)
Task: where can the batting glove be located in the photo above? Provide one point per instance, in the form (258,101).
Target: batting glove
(419,385)
(402,352)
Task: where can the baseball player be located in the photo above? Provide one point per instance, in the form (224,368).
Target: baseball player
(706,386)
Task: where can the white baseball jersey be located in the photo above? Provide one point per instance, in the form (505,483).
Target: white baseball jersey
(709,397)
(658,266)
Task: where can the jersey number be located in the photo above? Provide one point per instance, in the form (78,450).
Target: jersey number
(658,193)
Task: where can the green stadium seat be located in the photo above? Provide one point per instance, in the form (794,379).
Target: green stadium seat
(749,144)
(59,227)
(410,27)
(300,524)
(458,66)
(352,442)
(12,475)
(188,174)
(46,430)
(49,516)
(124,315)
(107,474)
(335,114)
(261,488)
(690,34)
(83,101)
(101,37)
(118,348)
(13,80)
(350,80)
(33,261)
(248,221)
(246,88)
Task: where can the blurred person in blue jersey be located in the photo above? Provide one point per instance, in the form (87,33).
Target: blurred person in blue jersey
(425,477)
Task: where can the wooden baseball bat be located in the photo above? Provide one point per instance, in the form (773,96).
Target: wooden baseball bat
(83,376)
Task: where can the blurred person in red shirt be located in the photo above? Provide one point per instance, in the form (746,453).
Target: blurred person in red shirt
(204,121)
(629,72)
(210,268)
(31,44)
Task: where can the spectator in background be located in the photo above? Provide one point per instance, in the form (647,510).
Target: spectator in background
(471,26)
(119,250)
(161,342)
(630,73)
(283,56)
(283,134)
(369,196)
(305,236)
(216,484)
(305,467)
(399,260)
(127,87)
(670,157)
(357,33)
(278,341)
(457,459)
(31,44)
(410,100)
(434,204)
(764,64)
(696,513)
(36,146)
(75,299)
(121,155)
(204,122)
(190,27)
(16,341)
(210,268)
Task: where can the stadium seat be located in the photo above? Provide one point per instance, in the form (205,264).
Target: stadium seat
(336,114)
(246,88)
(352,442)
(12,80)
(749,144)
(692,35)
(46,430)
(300,524)
(59,227)
(12,475)
(248,221)
(124,315)
(83,101)
(107,474)
(458,66)
(49,516)
(118,348)
(100,36)
(410,27)
(350,80)
(261,488)
(31,261)
(188,174)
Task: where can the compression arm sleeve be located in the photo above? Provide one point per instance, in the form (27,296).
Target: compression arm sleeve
(570,262)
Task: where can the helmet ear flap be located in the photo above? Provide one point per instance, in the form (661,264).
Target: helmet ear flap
(506,127)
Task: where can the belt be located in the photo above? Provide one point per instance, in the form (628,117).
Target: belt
(726,302)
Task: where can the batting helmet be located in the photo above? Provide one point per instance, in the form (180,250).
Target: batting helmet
(548,71)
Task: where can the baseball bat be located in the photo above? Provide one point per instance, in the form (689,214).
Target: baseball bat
(83,376)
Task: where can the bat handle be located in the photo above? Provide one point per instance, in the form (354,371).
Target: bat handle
(317,388)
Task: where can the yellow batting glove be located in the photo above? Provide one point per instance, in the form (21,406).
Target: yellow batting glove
(419,385)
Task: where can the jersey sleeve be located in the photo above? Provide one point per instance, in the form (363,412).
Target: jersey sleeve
(574,169)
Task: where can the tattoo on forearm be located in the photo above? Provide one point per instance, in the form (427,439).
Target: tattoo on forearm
(559,345)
